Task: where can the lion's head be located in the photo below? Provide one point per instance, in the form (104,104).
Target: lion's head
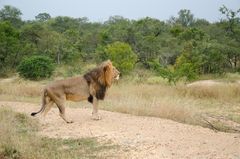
(102,77)
(110,73)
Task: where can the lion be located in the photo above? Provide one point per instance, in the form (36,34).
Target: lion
(92,86)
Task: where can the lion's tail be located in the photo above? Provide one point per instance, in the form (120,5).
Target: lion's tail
(44,101)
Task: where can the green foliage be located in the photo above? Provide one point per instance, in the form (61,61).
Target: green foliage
(176,30)
(214,57)
(63,23)
(36,67)
(9,47)
(149,39)
(232,19)
(188,63)
(121,55)
(164,72)
(188,71)
(185,18)
(214,46)
(43,17)
(117,29)
(192,34)
(11,14)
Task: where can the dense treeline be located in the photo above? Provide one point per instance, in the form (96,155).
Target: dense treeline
(183,46)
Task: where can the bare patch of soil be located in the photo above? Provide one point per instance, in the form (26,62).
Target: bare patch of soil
(138,137)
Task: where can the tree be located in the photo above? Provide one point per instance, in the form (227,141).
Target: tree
(232,28)
(189,44)
(64,23)
(232,19)
(9,46)
(149,36)
(192,34)
(214,57)
(149,26)
(164,72)
(201,23)
(43,17)
(31,33)
(121,55)
(116,29)
(11,14)
(188,63)
(56,46)
(185,18)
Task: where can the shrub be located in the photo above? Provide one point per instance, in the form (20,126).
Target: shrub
(36,67)
(121,54)
(165,73)
(187,70)
(189,63)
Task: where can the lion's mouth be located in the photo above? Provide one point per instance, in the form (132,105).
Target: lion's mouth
(117,77)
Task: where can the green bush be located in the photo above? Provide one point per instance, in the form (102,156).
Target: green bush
(188,71)
(188,63)
(164,72)
(36,67)
(121,54)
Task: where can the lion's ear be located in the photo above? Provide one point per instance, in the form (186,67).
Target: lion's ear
(108,65)
(105,68)
(109,62)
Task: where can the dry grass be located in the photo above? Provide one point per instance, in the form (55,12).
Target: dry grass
(182,103)
(20,141)
(19,87)
(225,92)
(151,100)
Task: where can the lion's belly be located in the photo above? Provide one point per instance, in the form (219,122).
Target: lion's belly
(75,97)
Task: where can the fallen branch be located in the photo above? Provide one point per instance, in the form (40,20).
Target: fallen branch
(211,125)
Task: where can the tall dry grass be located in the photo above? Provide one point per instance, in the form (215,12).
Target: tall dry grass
(19,87)
(150,100)
(225,92)
(182,103)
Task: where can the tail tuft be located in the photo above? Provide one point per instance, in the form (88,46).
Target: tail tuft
(33,114)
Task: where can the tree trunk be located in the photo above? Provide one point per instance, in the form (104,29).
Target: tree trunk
(235,62)
(58,58)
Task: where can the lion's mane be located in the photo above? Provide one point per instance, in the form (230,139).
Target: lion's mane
(100,79)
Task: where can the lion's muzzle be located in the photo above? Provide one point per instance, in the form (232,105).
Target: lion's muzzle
(117,77)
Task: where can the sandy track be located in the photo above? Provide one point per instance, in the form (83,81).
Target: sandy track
(139,137)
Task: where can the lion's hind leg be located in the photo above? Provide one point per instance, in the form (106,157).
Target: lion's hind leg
(63,114)
(60,104)
(59,101)
(48,106)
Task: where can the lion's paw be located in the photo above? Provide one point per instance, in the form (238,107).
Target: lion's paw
(96,117)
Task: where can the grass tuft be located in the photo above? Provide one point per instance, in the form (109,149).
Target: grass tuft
(19,140)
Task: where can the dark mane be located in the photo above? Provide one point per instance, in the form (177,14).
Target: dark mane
(93,77)
(100,93)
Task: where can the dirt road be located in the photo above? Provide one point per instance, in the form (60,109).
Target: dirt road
(139,137)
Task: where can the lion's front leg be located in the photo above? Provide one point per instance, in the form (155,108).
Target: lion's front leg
(95,115)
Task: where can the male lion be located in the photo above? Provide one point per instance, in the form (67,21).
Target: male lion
(91,86)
